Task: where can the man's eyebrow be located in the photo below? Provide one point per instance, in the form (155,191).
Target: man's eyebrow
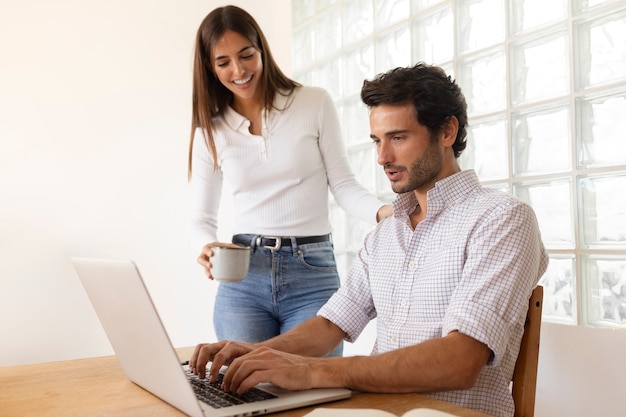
(240,51)
(390,133)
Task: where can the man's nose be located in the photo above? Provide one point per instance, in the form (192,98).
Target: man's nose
(384,154)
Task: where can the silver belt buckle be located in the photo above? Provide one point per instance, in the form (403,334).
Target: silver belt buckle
(276,246)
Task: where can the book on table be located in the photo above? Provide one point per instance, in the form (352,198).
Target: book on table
(370,412)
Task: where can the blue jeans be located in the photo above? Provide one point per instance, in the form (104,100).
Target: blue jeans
(283,288)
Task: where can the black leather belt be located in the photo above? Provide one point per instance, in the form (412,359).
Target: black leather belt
(277,242)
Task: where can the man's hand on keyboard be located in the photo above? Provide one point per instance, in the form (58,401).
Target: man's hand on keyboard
(285,370)
(219,354)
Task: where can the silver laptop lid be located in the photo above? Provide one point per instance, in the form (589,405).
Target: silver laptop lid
(145,352)
(135,330)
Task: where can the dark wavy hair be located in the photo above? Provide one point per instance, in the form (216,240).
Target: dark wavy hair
(209,96)
(435,97)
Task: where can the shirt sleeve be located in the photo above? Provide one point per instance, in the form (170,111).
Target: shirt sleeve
(351,308)
(491,300)
(205,191)
(351,196)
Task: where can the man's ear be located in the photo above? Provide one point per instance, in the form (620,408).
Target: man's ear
(449,131)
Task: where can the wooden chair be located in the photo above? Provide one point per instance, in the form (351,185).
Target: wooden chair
(525,373)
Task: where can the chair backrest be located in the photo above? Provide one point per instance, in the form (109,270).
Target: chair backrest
(525,373)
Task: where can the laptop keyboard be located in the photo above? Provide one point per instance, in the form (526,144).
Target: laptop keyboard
(213,395)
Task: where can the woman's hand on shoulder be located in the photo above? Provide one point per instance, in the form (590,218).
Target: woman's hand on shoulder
(383,212)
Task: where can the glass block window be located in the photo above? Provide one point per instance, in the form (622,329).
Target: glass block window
(545,83)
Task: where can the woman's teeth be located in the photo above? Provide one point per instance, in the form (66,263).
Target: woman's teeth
(244,81)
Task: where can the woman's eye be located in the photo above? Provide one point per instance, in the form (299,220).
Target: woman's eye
(247,56)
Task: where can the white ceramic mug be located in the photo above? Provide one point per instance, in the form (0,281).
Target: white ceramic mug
(230,262)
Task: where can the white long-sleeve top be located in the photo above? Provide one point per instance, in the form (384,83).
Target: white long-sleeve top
(280,180)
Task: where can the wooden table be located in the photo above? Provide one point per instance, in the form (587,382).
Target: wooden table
(97,387)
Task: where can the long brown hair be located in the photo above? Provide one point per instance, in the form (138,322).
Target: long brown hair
(210,97)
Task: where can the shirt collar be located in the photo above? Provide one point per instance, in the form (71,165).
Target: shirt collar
(235,120)
(446,193)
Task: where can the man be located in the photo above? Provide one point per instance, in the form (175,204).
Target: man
(448,276)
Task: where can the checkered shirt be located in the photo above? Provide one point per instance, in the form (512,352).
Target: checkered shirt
(469,266)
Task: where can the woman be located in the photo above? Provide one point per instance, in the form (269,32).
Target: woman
(278,144)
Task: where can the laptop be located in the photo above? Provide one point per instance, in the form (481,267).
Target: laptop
(132,324)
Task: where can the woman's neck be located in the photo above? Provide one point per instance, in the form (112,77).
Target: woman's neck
(252,110)
(250,106)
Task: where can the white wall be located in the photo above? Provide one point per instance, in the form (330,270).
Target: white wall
(94,127)
(582,372)
(94,123)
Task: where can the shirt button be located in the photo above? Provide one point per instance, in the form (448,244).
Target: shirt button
(393,339)
(403,303)
(412,265)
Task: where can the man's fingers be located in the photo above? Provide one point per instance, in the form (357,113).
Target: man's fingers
(199,359)
(243,373)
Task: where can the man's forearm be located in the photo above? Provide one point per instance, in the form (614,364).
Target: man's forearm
(442,364)
(315,337)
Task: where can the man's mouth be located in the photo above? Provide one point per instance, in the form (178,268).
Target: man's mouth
(393,173)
